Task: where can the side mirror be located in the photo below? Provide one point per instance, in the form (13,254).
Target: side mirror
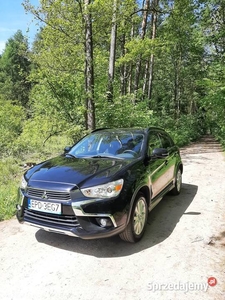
(67,149)
(159,153)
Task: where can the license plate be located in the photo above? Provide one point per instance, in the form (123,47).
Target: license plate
(48,207)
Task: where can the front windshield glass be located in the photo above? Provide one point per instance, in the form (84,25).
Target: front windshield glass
(109,144)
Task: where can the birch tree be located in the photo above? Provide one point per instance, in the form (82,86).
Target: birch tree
(112,53)
(89,69)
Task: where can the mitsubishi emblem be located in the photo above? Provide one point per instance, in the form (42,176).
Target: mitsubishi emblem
(44,196)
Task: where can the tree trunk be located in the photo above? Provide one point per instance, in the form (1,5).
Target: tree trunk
(112,54)
(130,75)
(89,69)
(123,70)
(177,86)
(146,5)
(151,63)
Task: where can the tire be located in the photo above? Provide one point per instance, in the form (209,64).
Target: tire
(138,219)
(178,183)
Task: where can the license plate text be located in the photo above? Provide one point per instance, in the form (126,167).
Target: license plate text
(54,208)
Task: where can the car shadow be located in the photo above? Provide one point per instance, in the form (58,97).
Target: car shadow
(161,222)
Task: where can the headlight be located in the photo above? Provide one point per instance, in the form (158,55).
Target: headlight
(108,190)
(23,183)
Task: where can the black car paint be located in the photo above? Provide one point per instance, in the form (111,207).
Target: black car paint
(70,174)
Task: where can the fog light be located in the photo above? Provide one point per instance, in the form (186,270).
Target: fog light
(104,222)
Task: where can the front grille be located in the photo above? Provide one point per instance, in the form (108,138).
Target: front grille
(45,219)
(51,195)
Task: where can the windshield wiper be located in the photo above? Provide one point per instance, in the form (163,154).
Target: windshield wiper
(106,156)
(100,156)
(71,155)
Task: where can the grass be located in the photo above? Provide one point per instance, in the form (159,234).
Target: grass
(11,171)
(8,196)
(9,176)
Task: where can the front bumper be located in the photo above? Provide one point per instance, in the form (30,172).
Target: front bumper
(79,219)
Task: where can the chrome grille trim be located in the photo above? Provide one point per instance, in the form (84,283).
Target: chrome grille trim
(78,211)
(51,195)
(69,221)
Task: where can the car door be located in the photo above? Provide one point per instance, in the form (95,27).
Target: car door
(157,166)
(170,160)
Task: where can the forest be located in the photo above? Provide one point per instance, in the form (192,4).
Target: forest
(109,63)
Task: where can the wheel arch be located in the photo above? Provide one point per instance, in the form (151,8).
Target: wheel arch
(181,167)
(146,192)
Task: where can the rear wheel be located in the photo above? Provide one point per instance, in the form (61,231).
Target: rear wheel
(138,219)
(178,183)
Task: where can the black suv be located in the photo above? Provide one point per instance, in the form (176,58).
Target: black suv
(103,185)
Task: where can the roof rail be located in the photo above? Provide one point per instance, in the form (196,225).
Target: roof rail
(99,129)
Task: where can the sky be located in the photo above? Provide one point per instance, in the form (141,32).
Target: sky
(12,18)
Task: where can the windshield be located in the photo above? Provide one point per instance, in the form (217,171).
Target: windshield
(109,144)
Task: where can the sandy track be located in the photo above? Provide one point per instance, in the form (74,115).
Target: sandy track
(183,246)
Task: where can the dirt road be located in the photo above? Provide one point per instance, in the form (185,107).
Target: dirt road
(184,246)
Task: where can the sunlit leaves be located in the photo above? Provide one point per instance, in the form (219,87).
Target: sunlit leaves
(11,122)
(15,68)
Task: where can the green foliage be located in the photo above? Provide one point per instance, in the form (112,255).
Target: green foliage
(45,137)
(63,101)
(9,177)
(179,62)
(214,101)
(60,59)
(15,67)
(11,123)
(213,83)
(137,47)
(186,129)
(123,113)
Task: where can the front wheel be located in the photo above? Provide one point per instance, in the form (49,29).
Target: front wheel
(138,219)
(178,183)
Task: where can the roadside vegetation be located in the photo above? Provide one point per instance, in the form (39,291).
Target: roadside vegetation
(109,64)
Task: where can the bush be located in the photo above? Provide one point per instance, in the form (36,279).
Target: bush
(123,113)
(11,122)
(10,177)
(185,130)
(45,137)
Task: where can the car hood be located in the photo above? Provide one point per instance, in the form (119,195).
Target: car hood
(78,171)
